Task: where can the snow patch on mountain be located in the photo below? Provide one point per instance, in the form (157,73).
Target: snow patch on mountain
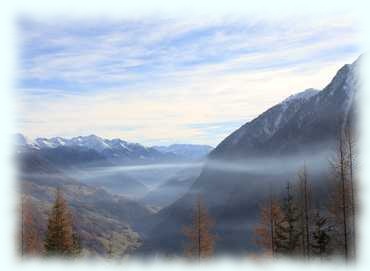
(116,148)
(20,140)
(301,96)
(273,119)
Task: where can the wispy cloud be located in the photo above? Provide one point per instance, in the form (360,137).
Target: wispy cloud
(171,80)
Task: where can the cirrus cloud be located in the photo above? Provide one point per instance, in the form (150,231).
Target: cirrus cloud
(160,81)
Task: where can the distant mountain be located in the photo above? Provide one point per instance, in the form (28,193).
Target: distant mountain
(97,147)
(20,140)
(97,214)
(261,155)
(92,150)
(81,157)
(189,151)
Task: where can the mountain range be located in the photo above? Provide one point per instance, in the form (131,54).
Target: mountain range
(91,150)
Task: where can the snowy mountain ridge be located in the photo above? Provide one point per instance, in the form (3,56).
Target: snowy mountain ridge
(302,96)
(273,119)
(90,142)
(296,112)
(113,148)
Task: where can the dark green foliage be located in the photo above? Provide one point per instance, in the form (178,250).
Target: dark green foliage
(289,229)
(321,236)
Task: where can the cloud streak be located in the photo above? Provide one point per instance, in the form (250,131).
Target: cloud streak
(170,80)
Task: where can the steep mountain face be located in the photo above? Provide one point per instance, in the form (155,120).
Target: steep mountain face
(254,135)
(289,127)
(97,214)
(261,155)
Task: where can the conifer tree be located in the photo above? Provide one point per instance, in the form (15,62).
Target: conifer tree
(321,236)
(289,230)
(201,240)
(59,237)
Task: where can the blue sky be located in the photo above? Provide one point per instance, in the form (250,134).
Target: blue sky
(170,80)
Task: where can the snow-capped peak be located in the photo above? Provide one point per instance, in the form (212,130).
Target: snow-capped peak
(304,95)
(113,148)
(22,143)
(58,141)
(90,142)
(45,143)
(20,140)
(273,119)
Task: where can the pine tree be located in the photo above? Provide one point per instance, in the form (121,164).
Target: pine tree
(289,230)
(59,237)
(321,236)
(199,233)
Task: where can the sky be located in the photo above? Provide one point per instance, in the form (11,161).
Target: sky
(161,80)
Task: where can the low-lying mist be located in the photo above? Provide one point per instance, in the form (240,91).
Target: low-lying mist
(149,174)
(277,165)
